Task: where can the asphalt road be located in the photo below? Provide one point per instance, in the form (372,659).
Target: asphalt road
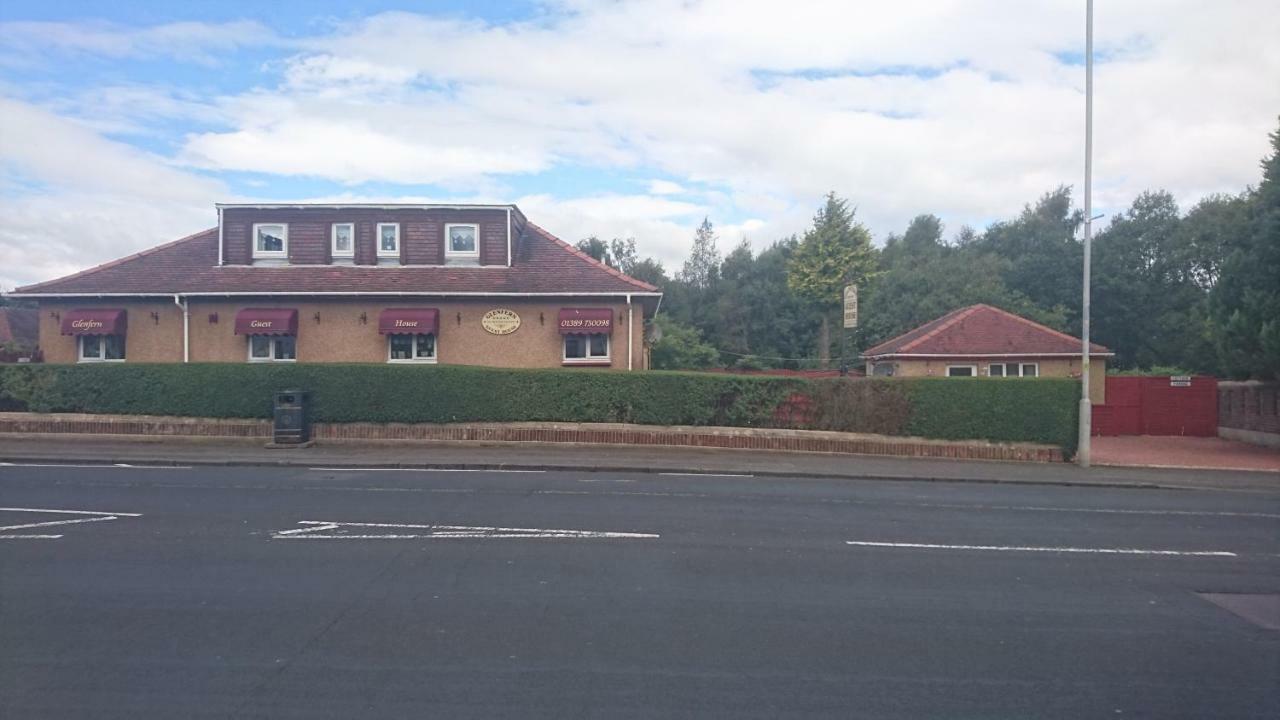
(304,593)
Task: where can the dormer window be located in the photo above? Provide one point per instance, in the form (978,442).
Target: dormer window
(388,240)
(462,241)
(344,240)
(271,240)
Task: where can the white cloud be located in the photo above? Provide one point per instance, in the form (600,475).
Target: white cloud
(964,109)
(73,199)
(25,43)
(665,187)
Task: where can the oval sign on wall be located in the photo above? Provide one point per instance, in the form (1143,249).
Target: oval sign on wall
(500,321)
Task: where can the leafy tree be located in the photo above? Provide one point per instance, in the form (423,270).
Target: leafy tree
(596,248)
(1245,302)
(1044,258)
(680,347)
(650,271)
(702,268)
(835,252)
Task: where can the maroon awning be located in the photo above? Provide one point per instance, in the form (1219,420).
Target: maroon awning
(583,321)
(93,322)
(409,321)
(267,321)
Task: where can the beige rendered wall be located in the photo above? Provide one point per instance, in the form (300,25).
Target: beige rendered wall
(1049,367)
(341,336)
(148,339)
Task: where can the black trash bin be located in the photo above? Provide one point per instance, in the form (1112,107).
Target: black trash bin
(291,426)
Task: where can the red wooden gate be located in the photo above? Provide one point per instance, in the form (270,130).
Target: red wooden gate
(1162,405)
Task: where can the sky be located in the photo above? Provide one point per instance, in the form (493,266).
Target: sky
(123,122)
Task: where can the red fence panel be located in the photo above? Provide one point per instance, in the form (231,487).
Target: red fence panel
(1138,405)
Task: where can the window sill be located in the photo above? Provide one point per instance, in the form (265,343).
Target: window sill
(263,361)
(414,361)
(593,362)
(92,361)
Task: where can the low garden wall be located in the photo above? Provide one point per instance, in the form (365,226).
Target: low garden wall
(1040,410)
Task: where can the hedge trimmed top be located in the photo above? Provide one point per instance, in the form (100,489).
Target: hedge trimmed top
(1041,410)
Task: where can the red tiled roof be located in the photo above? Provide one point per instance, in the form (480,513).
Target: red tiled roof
(981,330)
(19,325)
(543,264)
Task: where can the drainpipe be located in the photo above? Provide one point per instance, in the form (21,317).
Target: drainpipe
(186,327)
(630,330)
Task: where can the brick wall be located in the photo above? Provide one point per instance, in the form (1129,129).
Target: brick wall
(1249,406)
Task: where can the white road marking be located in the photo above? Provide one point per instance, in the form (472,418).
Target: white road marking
(452,470)
(99,518)
(443,532)
(1032,548)
(695,474)
(69,512)
(116,466)
(94,516)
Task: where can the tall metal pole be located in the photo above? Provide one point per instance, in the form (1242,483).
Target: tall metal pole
(1086,410)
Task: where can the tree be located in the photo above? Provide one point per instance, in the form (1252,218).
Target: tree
(680,347)
(596,248)
(650,271)
(702,268)
(1245,301)
(1044,257)
(835,252)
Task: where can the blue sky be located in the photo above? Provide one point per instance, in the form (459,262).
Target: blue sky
(121,123)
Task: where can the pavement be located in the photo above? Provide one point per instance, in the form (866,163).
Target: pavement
(296,592)
(1164,451)
(99,449)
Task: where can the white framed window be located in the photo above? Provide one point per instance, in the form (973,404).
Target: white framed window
(273,348)
(462,241)
(417,348)
(343,240)
(1013,369)
(100,348)
(962,371)
(389,240)
(270,240)
(586,348)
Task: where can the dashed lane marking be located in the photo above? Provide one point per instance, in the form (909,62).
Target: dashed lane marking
(1033,548)
(446,470)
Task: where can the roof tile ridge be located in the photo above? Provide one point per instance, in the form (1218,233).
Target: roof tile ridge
(1041,327)
(117,261)
(944,323)
(612,271)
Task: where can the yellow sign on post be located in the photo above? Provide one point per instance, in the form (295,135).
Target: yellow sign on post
(851,306)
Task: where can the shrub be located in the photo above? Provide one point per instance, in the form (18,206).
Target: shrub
(1043,410)
(1039,410)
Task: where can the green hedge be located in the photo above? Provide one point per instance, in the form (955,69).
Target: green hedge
(398,393)
(1014,410)
(1043,410)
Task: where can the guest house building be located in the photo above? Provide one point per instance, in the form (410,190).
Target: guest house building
(283,283)
(985,341)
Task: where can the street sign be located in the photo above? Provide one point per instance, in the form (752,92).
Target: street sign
(1180,381)
(851,306)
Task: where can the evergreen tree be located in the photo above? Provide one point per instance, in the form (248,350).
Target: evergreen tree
(835,252)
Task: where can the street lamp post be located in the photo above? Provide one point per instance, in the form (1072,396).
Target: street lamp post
(1086,410)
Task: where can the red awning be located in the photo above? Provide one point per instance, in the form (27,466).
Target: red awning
(93,322)
(415,321)
(267,321)
(583,321)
